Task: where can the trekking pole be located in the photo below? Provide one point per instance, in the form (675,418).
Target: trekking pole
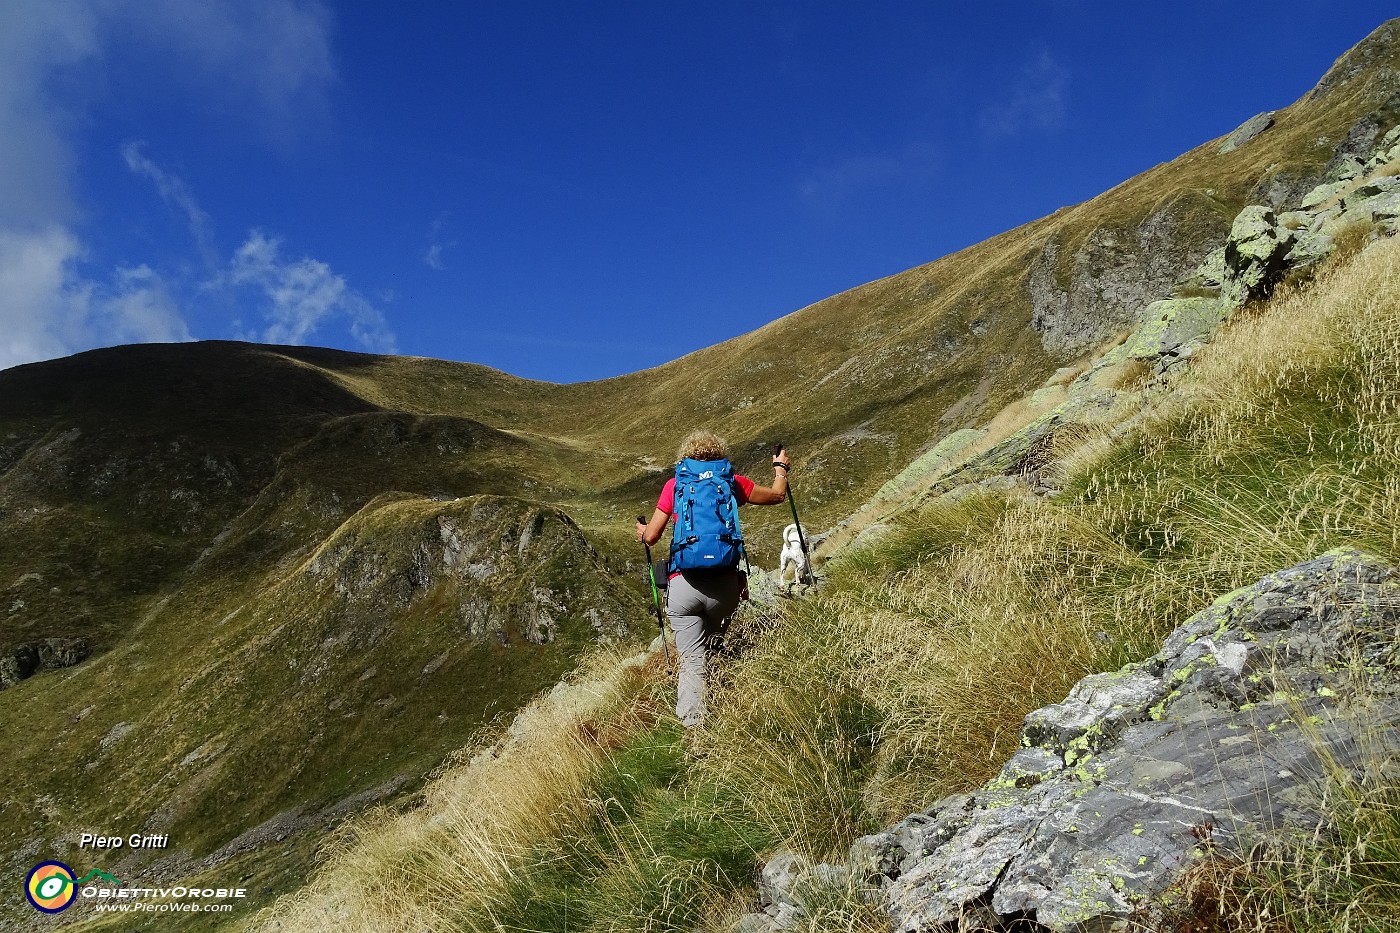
(801,539)
(656,599)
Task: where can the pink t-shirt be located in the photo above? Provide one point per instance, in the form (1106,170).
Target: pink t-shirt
(667,501)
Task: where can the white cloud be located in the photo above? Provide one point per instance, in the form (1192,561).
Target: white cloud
(298,296)
(138,309)
(49,309)
(1034,99)
(39,317)
(174,192)
(295,297)
(274,54)
(38,37)
(273,57)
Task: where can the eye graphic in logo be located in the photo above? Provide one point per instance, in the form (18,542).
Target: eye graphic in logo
(50,887)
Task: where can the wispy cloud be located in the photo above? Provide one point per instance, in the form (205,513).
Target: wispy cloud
(272,56)
(1035,99)
(38,37)
(294,297)
(174,192)
(437,246)
(841,177)
(298,296)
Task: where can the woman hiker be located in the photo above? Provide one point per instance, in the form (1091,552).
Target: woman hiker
(705,584)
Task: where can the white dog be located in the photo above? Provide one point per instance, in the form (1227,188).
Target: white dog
(792,556)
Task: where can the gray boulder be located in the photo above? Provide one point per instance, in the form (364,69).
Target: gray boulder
(1175,323)
(786,883)
(1388,150)
(1377,203)
(1247,131)
(1317,196)
(1223,739)
(1208,277)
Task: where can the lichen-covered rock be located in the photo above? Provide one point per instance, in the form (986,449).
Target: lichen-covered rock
(1312,247)
(1224,736)
(49,654)
(1209,276)
(1322,193)
(786,883)
(1256,254)
(1377,205)
(936,459)
(1374,187)
(1176,322)
(1387,150)
(1026,450)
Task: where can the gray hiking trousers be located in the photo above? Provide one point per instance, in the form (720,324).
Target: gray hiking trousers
(699,606)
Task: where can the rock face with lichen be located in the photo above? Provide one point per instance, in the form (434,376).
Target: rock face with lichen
(1262,249)
(1079,300)
(1223,739)
(49,654)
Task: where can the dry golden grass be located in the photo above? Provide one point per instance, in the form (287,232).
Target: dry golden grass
(908,677)
(1342,877)
(456,855)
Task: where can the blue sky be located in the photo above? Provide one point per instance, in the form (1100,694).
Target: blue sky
(572,190)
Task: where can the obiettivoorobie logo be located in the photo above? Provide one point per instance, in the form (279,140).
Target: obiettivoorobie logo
(51,886)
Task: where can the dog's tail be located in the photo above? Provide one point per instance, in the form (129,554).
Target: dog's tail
(790,535)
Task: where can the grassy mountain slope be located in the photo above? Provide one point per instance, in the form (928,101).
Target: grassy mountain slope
(293,594)
(907,677)
(305,575)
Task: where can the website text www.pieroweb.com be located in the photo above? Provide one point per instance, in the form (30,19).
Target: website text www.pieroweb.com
(53,887)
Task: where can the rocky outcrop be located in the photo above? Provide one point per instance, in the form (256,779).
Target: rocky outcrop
(1246,132)
(1225,739)
(516,571)
(50,654)
(1263,248)
(1115,273)
(1369,55)
(1256,255)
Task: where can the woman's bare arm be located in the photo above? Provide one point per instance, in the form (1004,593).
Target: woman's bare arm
(777,493)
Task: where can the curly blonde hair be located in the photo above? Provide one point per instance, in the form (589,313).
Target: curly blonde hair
(703,445)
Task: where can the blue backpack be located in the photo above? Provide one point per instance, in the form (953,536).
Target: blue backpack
(706,534)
